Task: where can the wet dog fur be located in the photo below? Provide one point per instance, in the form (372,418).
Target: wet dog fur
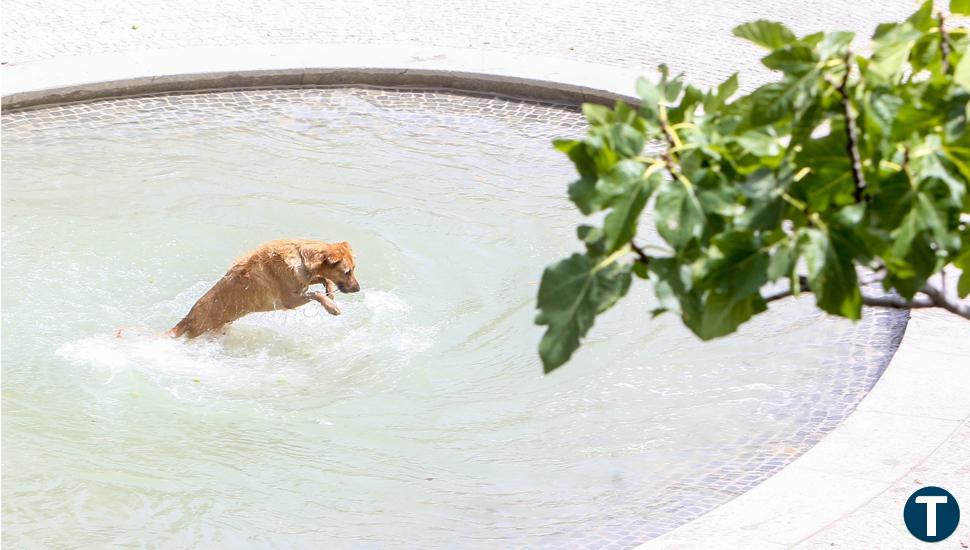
(274,276)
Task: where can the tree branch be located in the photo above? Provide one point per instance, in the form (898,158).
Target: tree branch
(940,299)
(933,297)
(641,255)
(944,44)
(876,275)
(897,302)
(852,132)
(802,283)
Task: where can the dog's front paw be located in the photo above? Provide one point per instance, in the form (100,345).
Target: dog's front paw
(328,304)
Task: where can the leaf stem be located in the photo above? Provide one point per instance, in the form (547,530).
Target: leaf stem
(794,202)
(673,146)
(680,125)
(657,165)
(673,140)
(624,250)
(816,221)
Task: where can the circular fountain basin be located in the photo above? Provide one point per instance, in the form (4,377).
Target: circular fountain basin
(418,418)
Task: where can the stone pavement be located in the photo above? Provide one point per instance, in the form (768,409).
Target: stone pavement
(693,36)
(911,431)
(948,466)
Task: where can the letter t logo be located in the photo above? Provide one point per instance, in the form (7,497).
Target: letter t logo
(931,502)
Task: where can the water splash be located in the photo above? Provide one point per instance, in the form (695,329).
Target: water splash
(299,347)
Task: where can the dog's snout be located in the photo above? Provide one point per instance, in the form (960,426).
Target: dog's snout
(350,287)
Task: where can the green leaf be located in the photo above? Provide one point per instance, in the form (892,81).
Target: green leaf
(591,192)
(937,165)
(883,29)
(925,107)
(649,99)
(640,269)
(621,223)
(962,262)
(725,90)
(909,273)
(891,51)
(618,182)
(759,144)
(795,59)
(922,19)
(831,273)
(782,262)
(597,114)
(835,44)
(905,234)
(961,73)
(765,205)
(688,105)
(830,181)
(594,239)
(928,212)
(879,113)
(672,285)
(680,217)
(767,34)
(624,113)
(807,120)
(577,152)
(626,139)
(572,293)
(772,102)
(583,194)
(724,313)
(670,87)
(721,200)
(961,7)
(734,264)
(932,217)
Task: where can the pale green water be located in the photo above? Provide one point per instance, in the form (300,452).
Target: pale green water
(418,418)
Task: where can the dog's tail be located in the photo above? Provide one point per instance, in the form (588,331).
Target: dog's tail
(140,331)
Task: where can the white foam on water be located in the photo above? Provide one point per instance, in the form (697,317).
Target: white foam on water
(377,323)
(299,347)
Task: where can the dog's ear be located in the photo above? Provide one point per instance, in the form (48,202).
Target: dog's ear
(336,253)
(313,258)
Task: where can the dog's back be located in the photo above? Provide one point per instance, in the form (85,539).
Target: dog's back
(254,283)
(214,310)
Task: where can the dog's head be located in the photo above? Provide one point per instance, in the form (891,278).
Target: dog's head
(335,262)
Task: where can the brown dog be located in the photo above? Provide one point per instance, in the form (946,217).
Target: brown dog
(274,276)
